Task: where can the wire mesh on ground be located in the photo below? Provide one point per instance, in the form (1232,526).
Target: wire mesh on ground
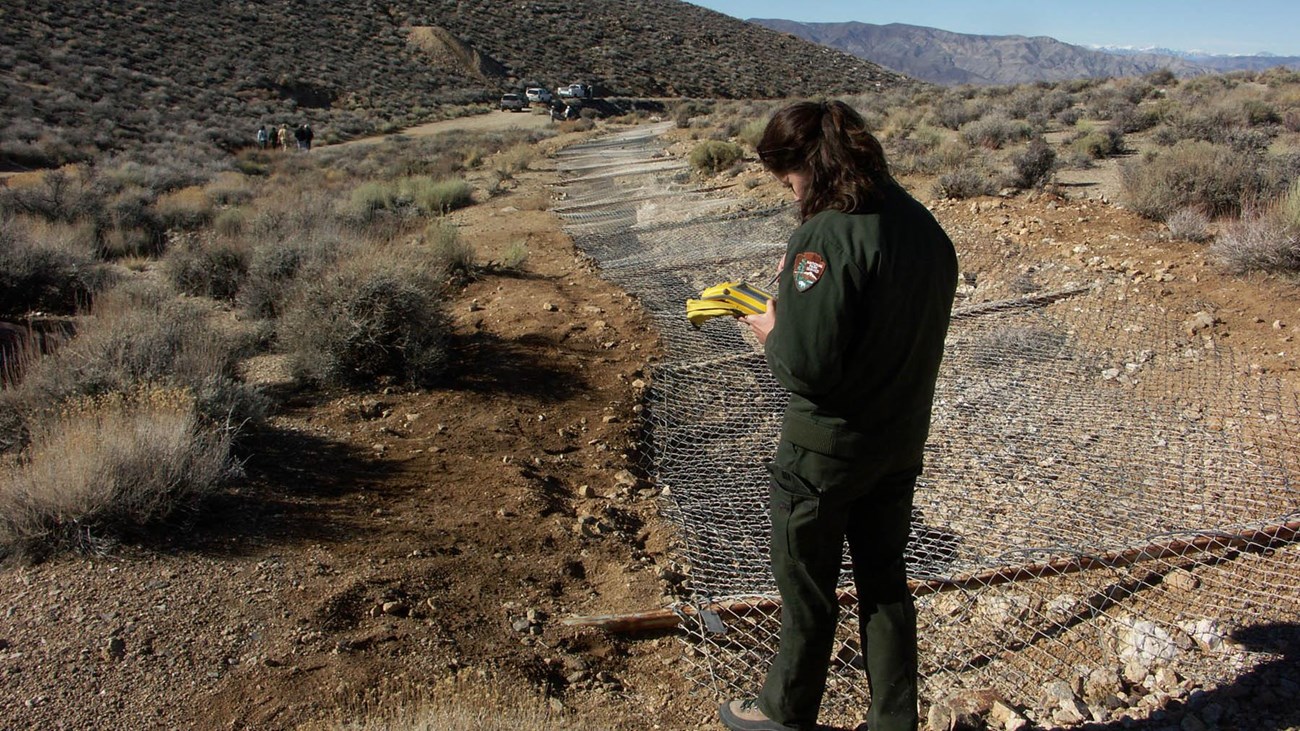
(1103,492)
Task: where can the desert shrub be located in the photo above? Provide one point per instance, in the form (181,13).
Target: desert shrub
(954,155)
(1033,166)
(1287,209)
(514,159)
(1070,116)
(141,335)
(924,152)
(1133,118)
(515,255)
(58,197)
(48,272)
(187,209)
(1189,224)
(438,197)
(964,182)
(685,111)
(1135,90)
(165,166)
(953,113)
(711,157)
(230,189)
(1096,143)
(275,265)
(51,149)
(418,194)
(751,133)
(369,198)
(1249,140)
(252,167)
(1078,86)
(1161,77)
(453,256)
(230,222)
(1258,241)
(994,132)
(373,315)
(473,158)
(1259,112)
(1205,123)
(1291,120)
(102,469)
(1024,101)
(578,125)
(1054,102)
(1213,178)
(207,268)
(1279,76)
(129,226)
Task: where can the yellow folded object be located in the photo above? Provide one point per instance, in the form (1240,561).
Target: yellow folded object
(734,299)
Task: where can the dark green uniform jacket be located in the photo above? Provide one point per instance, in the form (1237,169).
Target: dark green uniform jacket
(862,308)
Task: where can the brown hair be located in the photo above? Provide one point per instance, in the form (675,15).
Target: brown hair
(829,142)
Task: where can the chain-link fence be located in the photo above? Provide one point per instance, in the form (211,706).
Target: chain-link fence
(1105,496)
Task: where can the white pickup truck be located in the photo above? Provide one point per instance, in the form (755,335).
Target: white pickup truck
(573,91)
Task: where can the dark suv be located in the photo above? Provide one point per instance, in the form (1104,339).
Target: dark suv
(513,103)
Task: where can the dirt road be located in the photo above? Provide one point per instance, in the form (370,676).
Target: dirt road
(493,121)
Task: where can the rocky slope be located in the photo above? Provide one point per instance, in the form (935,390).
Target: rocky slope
(78,77)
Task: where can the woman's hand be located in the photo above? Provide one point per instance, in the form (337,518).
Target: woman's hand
(762,324)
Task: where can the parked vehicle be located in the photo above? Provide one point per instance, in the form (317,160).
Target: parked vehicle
(574,91)
(538,95)
(513,103)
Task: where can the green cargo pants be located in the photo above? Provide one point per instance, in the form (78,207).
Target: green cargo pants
(816,502)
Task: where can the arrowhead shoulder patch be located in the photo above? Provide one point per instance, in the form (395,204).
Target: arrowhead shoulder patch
(808,268)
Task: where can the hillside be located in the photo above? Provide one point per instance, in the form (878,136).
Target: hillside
(943,57)
(78,76)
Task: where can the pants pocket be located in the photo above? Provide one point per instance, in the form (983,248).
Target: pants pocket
(795,513)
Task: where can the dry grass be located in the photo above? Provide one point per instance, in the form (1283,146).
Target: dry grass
(106,467)
(1267,239)
(1212,177)
(1189,224)
(460,706)
(187,209)
(514,159)
(138,336)
(46,266)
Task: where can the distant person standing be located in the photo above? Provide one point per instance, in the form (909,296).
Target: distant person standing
(282,136)
(307,135)
(300,136)
(263,137)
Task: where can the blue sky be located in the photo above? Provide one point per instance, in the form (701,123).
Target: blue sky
(1243,27)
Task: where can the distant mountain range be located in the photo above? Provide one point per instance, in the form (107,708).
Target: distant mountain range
(944,57)
(1214,61)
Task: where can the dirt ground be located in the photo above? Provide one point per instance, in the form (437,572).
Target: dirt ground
(389,547)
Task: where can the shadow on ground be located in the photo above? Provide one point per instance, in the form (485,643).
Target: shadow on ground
(489,364)
(1261,699)
(295,490)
